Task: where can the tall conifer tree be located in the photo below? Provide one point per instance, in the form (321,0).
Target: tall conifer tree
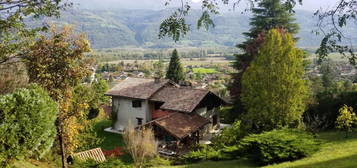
(175,71)
(274,90)
(267,15)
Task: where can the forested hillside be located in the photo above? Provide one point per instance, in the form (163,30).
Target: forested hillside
(139,27)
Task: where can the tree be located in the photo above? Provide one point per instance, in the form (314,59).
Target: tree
(57,63)
(329,73)
(14,34)
(331,22)
(141,144)
(274,89)
(12,76)
(99,87)
(159,69)
(268,15)
(346,119)
(175,71)
(27,118)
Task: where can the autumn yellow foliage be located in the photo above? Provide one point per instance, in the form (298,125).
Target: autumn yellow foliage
(346,119)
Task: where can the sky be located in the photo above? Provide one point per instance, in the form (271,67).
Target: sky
(311,5)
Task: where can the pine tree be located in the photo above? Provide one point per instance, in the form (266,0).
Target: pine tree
(268,15)
(274,88)
(175,71)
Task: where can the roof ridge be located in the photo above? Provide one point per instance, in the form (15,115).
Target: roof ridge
(163,86)
(193,88)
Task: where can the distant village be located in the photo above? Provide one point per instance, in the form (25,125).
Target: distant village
(204,76)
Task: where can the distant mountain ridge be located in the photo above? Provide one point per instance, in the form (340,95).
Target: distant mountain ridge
(139,28)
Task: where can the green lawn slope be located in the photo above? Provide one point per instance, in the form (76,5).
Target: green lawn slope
(336,152)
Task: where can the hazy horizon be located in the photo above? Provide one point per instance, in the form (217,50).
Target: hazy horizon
(310,5)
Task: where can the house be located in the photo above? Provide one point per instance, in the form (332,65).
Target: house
(176,113)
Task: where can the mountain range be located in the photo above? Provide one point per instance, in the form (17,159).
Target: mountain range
(119,28)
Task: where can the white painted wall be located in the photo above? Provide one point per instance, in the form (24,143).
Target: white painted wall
(126,112)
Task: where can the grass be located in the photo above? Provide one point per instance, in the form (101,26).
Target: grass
(204,70)
(336,151)
(32,164)
(110,140)
(213,164)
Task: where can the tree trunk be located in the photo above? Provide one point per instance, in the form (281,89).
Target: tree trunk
(62,146)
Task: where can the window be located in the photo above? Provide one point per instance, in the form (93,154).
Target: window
(136,103)
(140,121)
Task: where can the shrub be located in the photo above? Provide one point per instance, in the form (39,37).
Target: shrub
(326,108)
(27,124)
(206,153)
(229,136)
(157,161)
(346,119)
(89,138)
(278,146)
(141,144)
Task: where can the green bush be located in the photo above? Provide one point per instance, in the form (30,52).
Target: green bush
(157,161)
(206,153)
(229,136)
(27,124)
(278,146)
(89,138)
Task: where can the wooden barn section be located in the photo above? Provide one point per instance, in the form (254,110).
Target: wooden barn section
(177,131)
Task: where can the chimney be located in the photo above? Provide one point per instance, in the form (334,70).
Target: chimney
(157,80)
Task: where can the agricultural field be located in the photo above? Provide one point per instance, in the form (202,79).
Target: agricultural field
(204,70)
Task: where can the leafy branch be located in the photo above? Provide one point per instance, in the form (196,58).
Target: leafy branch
(331,23)
(175,25)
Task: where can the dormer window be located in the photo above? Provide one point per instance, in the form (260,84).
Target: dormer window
(136,103)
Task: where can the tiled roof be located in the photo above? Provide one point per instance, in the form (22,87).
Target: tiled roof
(179,99)
(181,125)
(138,88)
(173,97)
(159,113)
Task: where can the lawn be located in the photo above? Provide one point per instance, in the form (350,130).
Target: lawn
(336,152)
(110,140)
(204,70)
(222,164)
